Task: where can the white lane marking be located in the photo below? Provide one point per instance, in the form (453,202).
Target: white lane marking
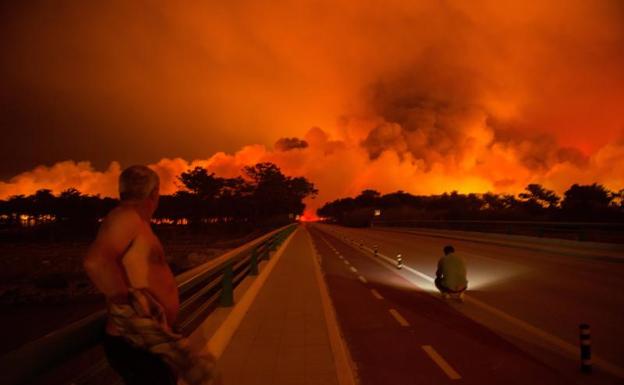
(362,279)
(569,349)
(346,262)
(337,252)
(341,257)
(353,269)
(402,321)
(441,362)
(376,294)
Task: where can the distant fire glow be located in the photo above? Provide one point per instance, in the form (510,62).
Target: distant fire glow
(427,97)
(308,216)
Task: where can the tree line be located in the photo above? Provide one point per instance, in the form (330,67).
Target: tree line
(580,203)
(263,193)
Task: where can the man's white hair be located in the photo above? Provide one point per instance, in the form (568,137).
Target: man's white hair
(137,182)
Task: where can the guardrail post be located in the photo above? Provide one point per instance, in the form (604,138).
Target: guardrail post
(227,287)
(253,265)
(585,339)
(273,244)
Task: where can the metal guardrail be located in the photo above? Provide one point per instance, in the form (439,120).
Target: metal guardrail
(201,291)
(580,231)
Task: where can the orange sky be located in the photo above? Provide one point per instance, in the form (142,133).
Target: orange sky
(426,97)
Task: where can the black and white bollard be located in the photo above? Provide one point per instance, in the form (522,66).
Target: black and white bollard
(585,338)
(399,261)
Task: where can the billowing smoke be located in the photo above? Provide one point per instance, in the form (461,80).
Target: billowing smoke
(287,144)
(424,97)
(341,168)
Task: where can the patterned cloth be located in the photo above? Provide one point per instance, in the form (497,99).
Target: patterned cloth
(142,322)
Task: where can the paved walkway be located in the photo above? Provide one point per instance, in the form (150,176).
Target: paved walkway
(283,338)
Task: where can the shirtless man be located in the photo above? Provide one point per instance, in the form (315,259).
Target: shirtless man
(126,254)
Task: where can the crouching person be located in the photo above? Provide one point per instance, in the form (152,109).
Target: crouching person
(451,274)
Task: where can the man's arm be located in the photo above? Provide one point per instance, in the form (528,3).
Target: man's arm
(103,259)
(439,270)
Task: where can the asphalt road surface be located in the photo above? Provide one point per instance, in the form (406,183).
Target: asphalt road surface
(517,325)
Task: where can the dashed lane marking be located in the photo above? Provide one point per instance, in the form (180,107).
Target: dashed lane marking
(353,269)
(376,294)
(563,346)
(441,362)
(362,279)
(402,321)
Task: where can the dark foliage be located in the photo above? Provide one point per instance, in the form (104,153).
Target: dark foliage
(588,203)
(263,196)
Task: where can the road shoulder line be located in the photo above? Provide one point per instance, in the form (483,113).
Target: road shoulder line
(345,368)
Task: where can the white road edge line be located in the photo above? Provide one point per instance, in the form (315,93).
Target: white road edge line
(402,321)
(570,349)
(376,294)
(441,362)
(345,367)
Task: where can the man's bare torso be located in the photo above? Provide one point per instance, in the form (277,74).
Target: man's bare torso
(144,262)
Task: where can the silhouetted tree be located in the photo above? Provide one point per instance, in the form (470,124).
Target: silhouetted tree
(536,203)
(588,202)
(537,194)
(276,194)
(368,198)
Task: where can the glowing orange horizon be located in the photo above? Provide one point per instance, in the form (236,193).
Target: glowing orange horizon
(486,98)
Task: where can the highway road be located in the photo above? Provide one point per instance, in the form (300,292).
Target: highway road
(517,325)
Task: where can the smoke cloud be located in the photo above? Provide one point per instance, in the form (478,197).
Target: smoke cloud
(424,97)
(287,144)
